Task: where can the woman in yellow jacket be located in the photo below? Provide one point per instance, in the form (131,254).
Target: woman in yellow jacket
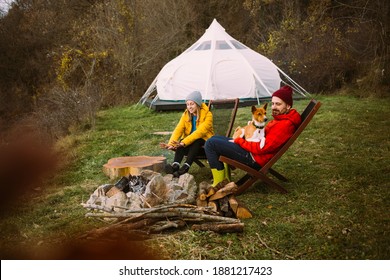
(192,131)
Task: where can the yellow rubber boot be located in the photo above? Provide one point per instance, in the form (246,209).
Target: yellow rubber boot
(218,176)
(228,174)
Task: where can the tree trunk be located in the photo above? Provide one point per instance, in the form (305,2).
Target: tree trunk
(123,166)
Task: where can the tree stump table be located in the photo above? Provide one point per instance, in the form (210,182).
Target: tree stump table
(123,166)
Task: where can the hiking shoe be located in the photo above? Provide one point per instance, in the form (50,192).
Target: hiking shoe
(171,168)
(184,169)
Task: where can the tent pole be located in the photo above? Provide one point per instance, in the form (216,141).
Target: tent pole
(253,72)
(300,89)
(148,91)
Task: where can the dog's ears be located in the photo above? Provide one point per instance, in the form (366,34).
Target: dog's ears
(264,107)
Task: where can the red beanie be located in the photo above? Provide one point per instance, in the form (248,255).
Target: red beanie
(285,93)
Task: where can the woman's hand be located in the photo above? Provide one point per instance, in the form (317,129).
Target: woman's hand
(165,146)
(173,147)
(180,145)
(177,145)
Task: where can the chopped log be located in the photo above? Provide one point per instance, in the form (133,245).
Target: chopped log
(220,228)
(224,204)
(230,213)
(124,166)
(204,188)
(243,212)
(210,192)
(213,205)
(224,191)
(201,203)
(214,189)
(233,203)
(203,197)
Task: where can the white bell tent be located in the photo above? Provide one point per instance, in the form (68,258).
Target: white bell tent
(220,67)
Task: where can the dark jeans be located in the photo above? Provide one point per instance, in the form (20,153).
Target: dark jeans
(220,146)
(191,151)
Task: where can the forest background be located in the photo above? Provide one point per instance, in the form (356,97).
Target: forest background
(62,61)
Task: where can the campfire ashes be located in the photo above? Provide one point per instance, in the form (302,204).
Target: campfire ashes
(145,191)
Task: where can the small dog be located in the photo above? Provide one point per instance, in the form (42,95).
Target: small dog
(254,131)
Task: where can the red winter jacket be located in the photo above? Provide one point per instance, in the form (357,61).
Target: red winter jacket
(277,132)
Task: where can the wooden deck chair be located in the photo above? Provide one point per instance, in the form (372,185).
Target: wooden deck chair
(253,175)
(224,114)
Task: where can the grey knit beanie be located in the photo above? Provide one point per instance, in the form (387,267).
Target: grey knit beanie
(195,96)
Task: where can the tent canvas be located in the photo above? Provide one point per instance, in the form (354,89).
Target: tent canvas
(220,67)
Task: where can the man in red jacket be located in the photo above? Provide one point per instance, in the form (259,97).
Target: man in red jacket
(277,132)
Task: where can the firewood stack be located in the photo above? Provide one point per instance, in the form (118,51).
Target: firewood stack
(221,199)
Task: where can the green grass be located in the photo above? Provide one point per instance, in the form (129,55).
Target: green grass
(337,206)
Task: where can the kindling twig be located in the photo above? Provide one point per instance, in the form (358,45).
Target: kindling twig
(143,198)
(272,249)
(160,226)
(164,214)
(163,217)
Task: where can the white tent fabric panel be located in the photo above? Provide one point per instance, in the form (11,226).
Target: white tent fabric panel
(220,67)
(264,68)
(241,81)
(178,77)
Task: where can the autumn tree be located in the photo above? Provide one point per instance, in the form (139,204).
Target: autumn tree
(326,44)
(61,61)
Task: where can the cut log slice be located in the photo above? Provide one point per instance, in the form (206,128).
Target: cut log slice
(123,166)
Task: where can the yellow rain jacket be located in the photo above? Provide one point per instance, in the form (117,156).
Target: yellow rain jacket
(204,127)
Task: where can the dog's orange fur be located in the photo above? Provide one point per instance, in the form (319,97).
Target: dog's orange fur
(259,117)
